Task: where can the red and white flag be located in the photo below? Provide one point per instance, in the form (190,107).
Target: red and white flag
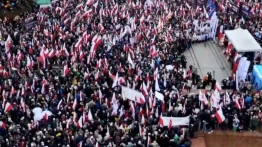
(22,104)
(237,104)
(68,123)
(218,87)
(89,116)
(2,125)
(42,59)
(220,116)
(143,119)
(66,71)
(8,107)
(74,104)
(80,122)
(144,89)
(59,104)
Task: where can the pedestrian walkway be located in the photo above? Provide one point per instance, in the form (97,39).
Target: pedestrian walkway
(208,58)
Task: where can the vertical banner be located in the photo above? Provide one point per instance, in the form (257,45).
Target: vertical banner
(210,8)
(213,25)
(214,30)
(211,11)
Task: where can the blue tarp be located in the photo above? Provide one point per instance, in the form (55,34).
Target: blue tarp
(257,77)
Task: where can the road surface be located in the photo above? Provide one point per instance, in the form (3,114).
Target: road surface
(208,58)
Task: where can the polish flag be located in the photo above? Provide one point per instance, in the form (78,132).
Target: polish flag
(86,75)
(80,122)
(149,141)
(107,103)
(97,75)
(121,80)
(143,119)
(141,131)
(68,123)
(237,104)
(66,71)
(75,117)
(74,104)
(80,6)
(84,117)
(99,63)
(22,104)
(97,145)
(2,125)
(220,34)
(144,89)
(111,75)
(157,88)
(59,104)
(229,48)
(205,12)
(142,99)
(184,74)
(12,92)
(41,58)
(46,32)
(52,53)
(81,56)
(142,19)
(65,51)
(31,126)
(29,62)
(8,107)
(220,116)
(89,116)
(90,2)
(43,89)
(115,82)
(218,87)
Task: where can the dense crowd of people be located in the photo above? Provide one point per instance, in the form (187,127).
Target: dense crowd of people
(62,69)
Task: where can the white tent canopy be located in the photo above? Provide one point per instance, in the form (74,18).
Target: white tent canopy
(242,40)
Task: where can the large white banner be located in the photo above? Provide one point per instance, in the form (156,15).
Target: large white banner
(133,95)
(175,121)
